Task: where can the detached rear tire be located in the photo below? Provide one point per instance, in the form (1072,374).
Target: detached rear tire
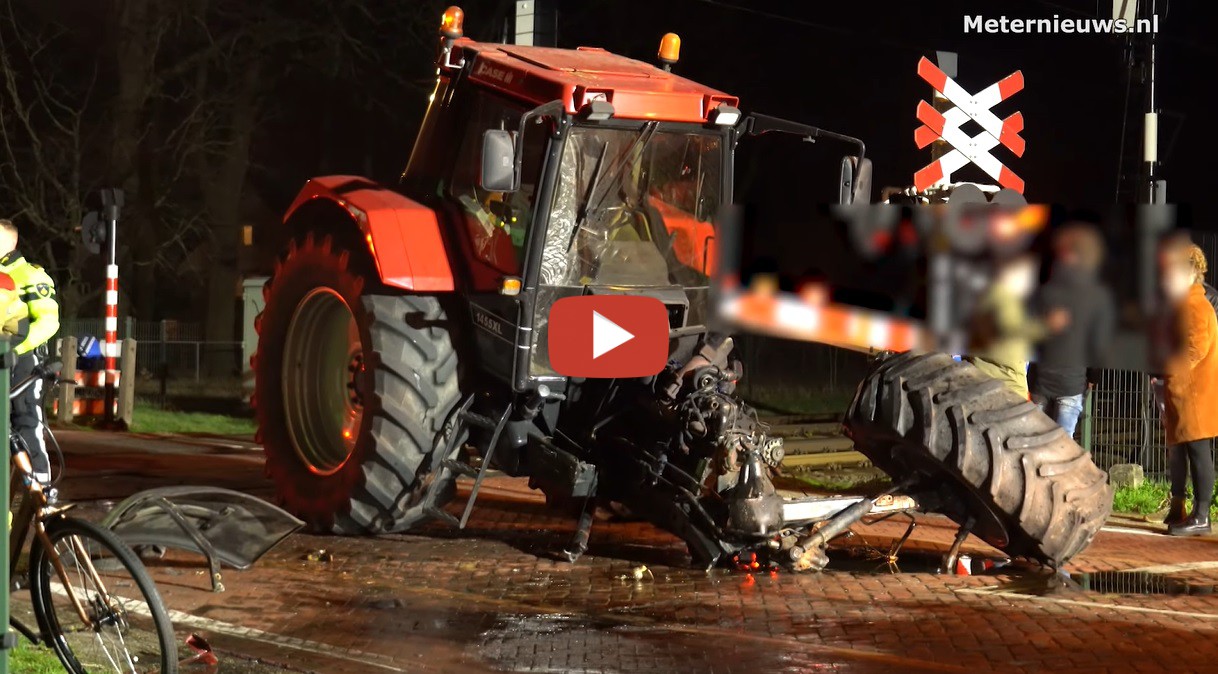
(984,452)
(353,389)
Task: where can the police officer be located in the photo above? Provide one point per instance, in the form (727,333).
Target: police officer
(37,290)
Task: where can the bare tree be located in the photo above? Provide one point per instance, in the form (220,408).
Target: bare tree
(43,140)
(66,132)
(169,106)
(326,39)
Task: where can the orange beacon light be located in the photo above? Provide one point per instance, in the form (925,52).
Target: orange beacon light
(670,50)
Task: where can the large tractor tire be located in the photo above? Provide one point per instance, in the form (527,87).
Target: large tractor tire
(979,451)
(354,389)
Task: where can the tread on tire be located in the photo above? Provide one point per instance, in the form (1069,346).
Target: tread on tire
(992,455)
(410,391)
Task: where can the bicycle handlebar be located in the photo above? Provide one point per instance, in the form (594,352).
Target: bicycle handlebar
(47,371)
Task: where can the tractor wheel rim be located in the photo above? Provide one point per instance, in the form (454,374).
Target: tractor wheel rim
(323,367)
(987,525)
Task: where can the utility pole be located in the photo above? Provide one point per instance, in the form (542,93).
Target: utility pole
(535,23)
(1156,189)
(112,203)
(940,314)
(1143,185)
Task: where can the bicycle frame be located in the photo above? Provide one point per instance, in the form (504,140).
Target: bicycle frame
(33,513)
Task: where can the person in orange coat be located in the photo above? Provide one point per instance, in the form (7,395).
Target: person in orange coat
(1190,416)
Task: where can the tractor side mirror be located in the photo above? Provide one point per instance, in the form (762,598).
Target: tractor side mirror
(498,161)
(855,181)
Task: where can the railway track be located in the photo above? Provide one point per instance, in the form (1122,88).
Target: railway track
(816,443)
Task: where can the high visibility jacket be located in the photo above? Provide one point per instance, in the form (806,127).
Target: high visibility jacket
(14,314)
(37,290)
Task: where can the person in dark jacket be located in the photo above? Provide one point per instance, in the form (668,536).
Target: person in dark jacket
(1060,373)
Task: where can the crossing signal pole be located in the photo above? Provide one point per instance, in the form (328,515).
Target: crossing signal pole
(99,230)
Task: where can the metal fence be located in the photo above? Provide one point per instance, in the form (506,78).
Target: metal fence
(173,349)
(1125,423)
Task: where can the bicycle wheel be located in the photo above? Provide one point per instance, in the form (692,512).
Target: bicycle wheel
(128,631)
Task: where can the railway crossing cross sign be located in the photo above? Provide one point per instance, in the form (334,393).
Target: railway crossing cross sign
(968,149)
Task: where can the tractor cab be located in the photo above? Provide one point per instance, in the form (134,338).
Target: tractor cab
(631,212)
(576,172)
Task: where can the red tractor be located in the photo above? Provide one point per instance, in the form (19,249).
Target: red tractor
(404,337)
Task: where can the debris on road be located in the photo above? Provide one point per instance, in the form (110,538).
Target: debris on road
(323,556)
(638,573)
(203,654)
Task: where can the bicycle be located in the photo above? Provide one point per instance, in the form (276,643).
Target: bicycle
(95,604)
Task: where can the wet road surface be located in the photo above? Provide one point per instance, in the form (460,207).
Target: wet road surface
(493,597)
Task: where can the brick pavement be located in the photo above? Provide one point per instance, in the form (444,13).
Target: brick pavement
(490,599)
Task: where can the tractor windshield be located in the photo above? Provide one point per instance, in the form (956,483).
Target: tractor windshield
(633,208)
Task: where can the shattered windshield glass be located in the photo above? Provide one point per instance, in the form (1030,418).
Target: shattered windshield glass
(633,208)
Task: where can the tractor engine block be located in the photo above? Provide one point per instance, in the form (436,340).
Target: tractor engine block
(714,423)
(717,426)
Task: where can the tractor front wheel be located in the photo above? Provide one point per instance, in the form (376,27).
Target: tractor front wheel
(354,387)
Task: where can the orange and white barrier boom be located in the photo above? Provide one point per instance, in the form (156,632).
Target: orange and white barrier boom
(792,317)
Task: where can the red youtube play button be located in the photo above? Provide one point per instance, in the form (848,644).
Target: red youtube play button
(608,336)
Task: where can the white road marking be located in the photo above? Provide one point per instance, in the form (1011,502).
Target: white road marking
(994,592)
(220,627)
(1174,568)
(180,618)
(1135,532)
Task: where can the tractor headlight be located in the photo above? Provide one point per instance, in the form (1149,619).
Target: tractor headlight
(724,115)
